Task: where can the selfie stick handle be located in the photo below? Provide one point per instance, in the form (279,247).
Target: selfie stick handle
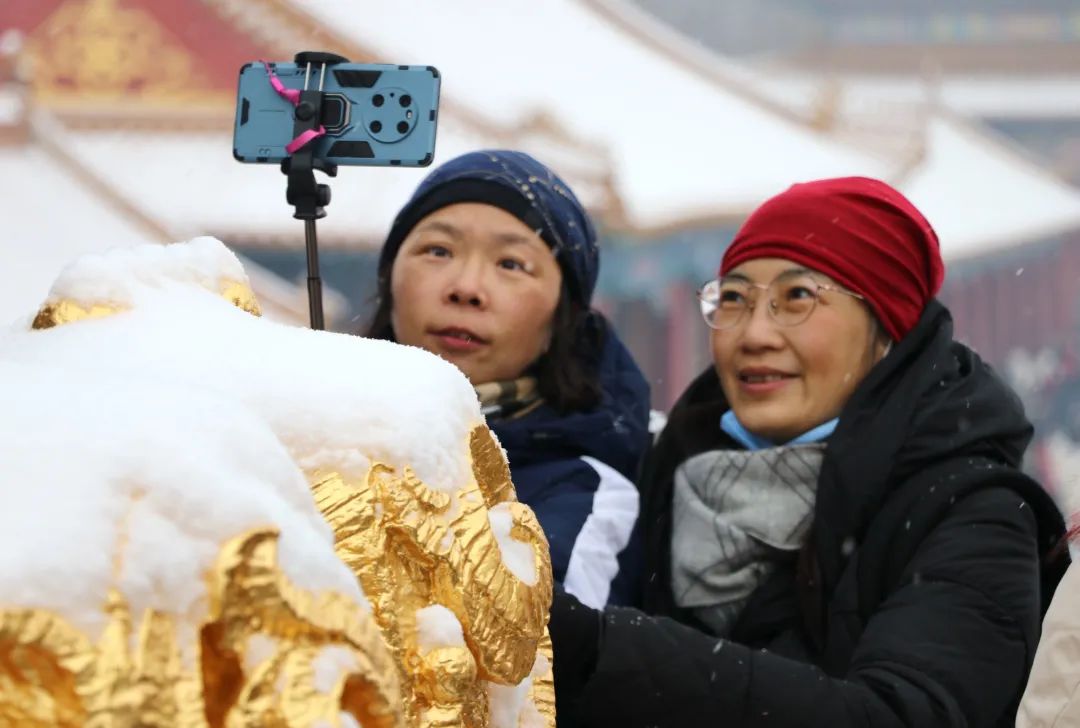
(307,196)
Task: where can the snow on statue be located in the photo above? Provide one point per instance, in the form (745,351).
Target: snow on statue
(166,456)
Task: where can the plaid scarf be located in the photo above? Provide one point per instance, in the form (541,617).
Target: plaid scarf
(737,515)
(512,398)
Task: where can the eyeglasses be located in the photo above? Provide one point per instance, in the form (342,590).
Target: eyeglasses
(792,297)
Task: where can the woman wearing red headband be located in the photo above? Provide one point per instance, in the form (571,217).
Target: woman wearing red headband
(838,532)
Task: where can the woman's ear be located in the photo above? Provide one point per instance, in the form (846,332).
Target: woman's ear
(884,346)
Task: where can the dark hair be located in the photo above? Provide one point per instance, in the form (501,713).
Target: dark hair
(567,374)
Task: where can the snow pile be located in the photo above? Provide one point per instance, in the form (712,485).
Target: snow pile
(330,664)
(336,402)
(436,626)
(134,445)
(510,704)
(517,556)
(118,276)
(47,211)
(112,483)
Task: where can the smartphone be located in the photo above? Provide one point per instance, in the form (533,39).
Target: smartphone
(374,114)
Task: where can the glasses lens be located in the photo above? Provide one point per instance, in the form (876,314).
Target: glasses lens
(793,299)
(708,297)
(730,300)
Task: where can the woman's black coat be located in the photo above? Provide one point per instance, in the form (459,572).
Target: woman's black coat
(915,603)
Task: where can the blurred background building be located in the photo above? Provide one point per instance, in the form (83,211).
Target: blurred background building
(671,118)
(1012,64)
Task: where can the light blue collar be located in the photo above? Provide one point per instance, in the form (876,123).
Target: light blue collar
(732,426)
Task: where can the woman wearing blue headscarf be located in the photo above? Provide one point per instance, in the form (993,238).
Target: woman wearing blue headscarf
(491,265)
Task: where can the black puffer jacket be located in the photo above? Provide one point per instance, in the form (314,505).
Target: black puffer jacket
(915,603)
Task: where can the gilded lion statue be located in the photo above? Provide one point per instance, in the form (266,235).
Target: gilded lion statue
(220,520)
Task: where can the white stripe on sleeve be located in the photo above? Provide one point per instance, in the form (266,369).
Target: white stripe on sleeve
(594,560)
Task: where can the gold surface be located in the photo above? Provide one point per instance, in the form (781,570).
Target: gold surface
(542,693)
(240,295)
(412,547)
(66,311)
(52,675)
(490,468)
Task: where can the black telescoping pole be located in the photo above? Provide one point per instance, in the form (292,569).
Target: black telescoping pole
(314,283)
(303,192)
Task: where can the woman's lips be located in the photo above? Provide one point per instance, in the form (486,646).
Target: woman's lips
(758,382)
(458,340)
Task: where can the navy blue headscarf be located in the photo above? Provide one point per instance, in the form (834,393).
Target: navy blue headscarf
(525,188)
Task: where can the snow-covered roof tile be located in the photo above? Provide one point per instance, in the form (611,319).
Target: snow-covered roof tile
(53,214)
(981,196)
(681,143)
(190,183)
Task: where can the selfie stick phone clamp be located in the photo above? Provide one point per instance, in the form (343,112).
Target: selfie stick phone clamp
(303,192)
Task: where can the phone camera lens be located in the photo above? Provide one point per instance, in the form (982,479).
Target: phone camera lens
(402,127)
(405,100)
(376,127)
(378,100)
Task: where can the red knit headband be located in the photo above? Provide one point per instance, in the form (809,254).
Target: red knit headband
(862,233)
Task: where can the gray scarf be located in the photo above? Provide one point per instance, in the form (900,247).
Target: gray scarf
(736,514)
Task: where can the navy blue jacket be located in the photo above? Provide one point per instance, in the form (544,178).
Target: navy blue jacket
(576,471)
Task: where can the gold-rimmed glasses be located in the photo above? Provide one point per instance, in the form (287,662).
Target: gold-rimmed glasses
(792,297)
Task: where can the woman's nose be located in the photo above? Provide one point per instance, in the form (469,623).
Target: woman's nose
(472,299)
(467,286)
(760,330)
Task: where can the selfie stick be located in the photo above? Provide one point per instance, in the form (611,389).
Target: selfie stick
(308,197)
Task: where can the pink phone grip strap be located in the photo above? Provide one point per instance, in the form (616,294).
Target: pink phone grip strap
(293,97)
